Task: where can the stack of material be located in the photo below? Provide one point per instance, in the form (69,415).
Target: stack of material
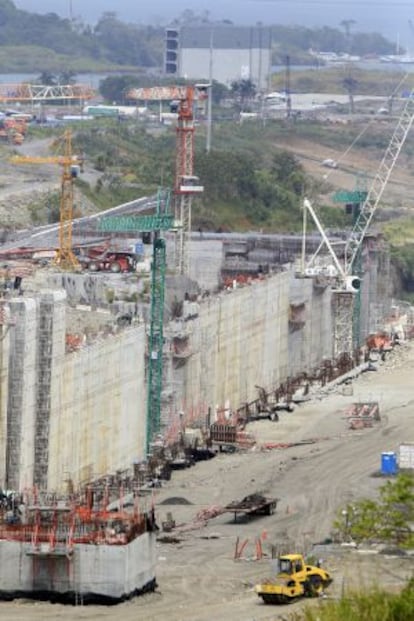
(363,415)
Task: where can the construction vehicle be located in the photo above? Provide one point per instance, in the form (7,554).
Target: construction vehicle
(103,259)
(13,130)
(295,579)
(347,282)
(254,504)
(71,166)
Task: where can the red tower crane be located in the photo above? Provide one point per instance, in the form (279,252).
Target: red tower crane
(186,184)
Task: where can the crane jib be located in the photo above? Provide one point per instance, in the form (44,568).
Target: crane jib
(136,223)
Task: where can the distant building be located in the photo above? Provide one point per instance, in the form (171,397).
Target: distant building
(224,52)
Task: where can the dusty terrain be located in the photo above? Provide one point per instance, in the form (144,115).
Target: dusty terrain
(198,578)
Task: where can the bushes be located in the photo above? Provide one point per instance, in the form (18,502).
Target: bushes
(374,605)
(386,520)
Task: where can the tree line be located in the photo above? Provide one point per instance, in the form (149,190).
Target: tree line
(126,44)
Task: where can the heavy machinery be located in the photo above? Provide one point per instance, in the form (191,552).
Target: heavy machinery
(295,579)
(182,100)
(71,164)
(347,279)
(156,224)
(104,259)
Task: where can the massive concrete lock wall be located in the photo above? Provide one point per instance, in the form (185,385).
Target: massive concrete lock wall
(67,417)
(100,424)
(238,339)
(310,325)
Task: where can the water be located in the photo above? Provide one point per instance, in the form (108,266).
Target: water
(367,65)
(91,79)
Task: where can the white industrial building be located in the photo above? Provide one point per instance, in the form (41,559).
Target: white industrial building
(224,53)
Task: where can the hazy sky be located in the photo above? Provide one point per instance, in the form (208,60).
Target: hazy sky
(390,17)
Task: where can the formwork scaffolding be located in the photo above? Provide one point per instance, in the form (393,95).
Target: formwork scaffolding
(343,304)
(53,524)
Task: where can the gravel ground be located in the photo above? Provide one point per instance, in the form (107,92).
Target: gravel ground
(198,578)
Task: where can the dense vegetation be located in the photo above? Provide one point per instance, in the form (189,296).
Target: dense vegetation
(249,181)
(112,42)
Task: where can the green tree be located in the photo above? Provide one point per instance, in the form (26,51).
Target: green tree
(67,77)
(220,92)
(350,84)
(113,88)
(387,519)
(243,90)
(47,78)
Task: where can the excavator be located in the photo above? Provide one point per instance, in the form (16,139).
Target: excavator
(295,579)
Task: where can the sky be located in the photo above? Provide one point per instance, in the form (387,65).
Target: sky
(390,17)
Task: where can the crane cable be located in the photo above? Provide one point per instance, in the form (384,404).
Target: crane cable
(362,132)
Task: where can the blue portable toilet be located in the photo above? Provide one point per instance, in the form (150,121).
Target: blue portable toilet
(389,464)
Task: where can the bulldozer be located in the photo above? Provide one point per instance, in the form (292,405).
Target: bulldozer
(295,579)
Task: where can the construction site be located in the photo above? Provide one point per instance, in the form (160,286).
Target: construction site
(133,348)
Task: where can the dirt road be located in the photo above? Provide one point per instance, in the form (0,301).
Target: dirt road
(355,168)
(198,578)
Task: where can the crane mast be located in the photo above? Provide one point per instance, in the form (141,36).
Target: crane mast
(65,257)
(379,184)
(186,185)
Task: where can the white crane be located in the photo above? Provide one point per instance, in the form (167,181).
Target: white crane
(347,281)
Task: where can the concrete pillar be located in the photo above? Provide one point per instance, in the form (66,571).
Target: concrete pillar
(50,353)
(5,328)
(21,395)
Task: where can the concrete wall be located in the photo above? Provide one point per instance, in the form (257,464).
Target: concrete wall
(99,425)
(376,286)
(238,340)
(310,340)
(83,415)
(111,571)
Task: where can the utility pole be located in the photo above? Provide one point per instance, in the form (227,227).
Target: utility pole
(287,89)
(210,94)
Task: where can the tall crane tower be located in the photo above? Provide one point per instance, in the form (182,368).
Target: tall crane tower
(348,281)
(65,257)
(186,184)
(156,224)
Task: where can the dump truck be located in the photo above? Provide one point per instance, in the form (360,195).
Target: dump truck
(295,579)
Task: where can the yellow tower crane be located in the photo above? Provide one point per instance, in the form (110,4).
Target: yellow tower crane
(65,257)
